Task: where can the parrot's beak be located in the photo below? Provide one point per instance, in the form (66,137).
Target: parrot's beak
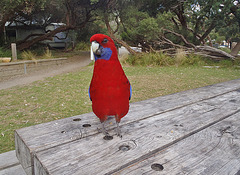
(96,48)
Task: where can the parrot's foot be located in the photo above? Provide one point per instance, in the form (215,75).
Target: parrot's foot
(104,131)
(118,130)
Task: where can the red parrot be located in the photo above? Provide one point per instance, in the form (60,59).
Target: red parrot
(110,90)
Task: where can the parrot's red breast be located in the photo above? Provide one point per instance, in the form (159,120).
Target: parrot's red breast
(109,89)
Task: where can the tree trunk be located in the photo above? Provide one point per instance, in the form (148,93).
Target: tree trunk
(115,38)
(211,27)
(236,49)
(213,52)
(179,11)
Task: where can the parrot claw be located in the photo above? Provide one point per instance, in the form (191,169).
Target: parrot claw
(118,130)
(104,131)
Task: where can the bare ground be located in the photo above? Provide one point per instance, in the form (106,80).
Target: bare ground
(74,64)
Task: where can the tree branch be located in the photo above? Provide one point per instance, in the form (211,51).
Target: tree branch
(211,27)
(182,38)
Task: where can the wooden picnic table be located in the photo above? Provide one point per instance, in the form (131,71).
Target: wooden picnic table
(190,132)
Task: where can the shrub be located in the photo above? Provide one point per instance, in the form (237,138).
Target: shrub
(180,57)
(28,55)
(83,46)
(47,54)
(161,59)
(226,63)
(150,59)
(225,49)
(237,61)
(5,52)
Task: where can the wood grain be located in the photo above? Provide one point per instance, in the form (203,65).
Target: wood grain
(214,150)
(144,137)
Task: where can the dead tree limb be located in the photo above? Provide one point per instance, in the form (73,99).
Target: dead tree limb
(235,50)
(211,51)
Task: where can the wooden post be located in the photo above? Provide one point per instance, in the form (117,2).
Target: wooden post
(14,51)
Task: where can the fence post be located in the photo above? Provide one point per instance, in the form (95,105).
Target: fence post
(14,51)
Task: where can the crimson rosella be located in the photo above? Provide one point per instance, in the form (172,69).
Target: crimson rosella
(110,90)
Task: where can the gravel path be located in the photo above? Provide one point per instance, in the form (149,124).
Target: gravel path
(74,64)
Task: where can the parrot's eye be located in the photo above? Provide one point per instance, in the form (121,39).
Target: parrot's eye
(105,40)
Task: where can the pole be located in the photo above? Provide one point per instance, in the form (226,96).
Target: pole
(14,51)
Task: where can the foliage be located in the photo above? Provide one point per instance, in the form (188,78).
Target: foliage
(138,22)
(75,14)
(152,59)
(28,55)
(85,33)
(48,54)
(194,20)
(216,37)
(83,46)
(133,31)
(140,28)
(180,59)
(225,49)
(5,52)
(161,59)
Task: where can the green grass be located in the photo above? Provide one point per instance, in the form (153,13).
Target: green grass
(67,95)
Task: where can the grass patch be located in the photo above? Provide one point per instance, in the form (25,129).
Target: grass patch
(47,54)
(5,52)
(67,95)
(152,59)
(181,59)
(83,46)
(28,55)
(41,53)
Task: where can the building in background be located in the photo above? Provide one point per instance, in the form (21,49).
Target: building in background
(15,32)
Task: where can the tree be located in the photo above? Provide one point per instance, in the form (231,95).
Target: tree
(235,10)
(184,24)
(10,10)
(75,14)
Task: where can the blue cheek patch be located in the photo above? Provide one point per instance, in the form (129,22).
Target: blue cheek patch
(106,54)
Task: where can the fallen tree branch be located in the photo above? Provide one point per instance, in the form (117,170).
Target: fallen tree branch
(213,52)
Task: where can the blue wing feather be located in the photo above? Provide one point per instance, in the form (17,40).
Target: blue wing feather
(130,92)
(89,93)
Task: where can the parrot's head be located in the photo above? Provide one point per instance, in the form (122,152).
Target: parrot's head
(103,47)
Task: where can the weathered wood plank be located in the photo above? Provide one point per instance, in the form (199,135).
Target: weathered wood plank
(9,164)
(15,170)
(44,136)
(143,138)
(8,159)
(214,150)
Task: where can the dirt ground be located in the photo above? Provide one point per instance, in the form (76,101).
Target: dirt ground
(74,64)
